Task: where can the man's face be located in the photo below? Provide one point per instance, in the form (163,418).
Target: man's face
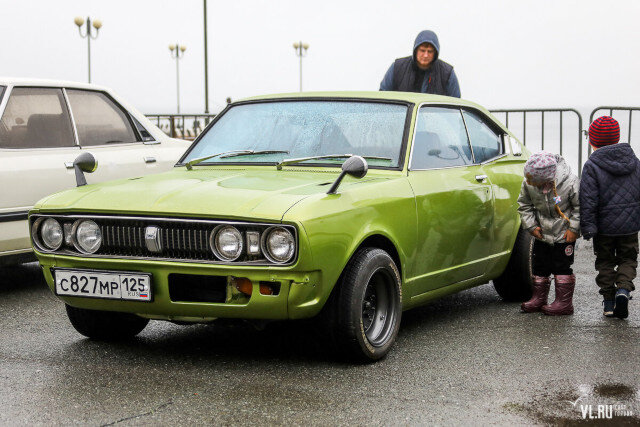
(425,53)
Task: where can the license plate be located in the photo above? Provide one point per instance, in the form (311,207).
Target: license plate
(103,284)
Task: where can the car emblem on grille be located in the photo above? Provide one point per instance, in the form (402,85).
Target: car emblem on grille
(152,238)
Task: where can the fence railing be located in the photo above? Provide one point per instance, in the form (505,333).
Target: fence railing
(549,127)
(183,126)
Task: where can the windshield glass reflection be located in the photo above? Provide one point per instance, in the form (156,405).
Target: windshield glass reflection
(274,131)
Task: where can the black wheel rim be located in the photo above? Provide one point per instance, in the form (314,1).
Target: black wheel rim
(379,308)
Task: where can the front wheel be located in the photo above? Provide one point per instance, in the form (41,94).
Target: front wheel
(368,306)
(516,282)
(105,325)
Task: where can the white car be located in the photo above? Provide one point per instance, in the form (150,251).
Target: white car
(45,125)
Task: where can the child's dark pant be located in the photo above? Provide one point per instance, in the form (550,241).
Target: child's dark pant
(552,259)
(612,252)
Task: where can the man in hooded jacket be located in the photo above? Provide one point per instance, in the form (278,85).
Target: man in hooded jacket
(422,72)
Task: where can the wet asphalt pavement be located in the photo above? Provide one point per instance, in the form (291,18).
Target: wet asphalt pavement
(469,358)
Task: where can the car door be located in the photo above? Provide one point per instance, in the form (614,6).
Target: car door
(36,141)
(120,145)
(453,200)
(490,151)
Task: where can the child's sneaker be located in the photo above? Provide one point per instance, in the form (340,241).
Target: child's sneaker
(609,305)
(621,309)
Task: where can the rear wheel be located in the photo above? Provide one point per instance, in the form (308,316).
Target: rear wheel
(105,325)
(516,282)
(368,306)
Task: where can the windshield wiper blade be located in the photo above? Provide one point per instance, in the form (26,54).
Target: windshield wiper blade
(328,156)
(194,162)
(250,152)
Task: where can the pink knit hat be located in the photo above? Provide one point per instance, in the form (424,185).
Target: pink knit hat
(540,168)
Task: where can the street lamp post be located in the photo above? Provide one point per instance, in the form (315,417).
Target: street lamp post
(97,24)
(177,52)
(301,51)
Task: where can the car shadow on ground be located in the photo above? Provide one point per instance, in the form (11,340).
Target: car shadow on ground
(294,341)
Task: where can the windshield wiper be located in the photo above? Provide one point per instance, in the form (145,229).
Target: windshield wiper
(250,152)
(194,162)
(329,156)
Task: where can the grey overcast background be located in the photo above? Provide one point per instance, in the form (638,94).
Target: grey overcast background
(506,53)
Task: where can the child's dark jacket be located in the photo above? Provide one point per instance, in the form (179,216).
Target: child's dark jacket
(610,192)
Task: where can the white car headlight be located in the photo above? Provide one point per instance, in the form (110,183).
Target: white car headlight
(88,236)
(279,245)
(226,242)
(51,234)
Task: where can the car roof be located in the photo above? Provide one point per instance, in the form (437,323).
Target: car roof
(416,98)
(23,81)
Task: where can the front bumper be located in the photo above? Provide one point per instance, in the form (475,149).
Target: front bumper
(301,295)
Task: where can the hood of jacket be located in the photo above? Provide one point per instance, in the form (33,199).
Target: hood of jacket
(617,159)
(427,36)
(562,169)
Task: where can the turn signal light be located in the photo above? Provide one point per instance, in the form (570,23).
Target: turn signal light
(266,289)
(244,285)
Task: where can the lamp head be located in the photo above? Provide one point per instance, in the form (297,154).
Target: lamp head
(172,47)
(97,24)
(305,46)
(79,21)
(296,45)
(183,48)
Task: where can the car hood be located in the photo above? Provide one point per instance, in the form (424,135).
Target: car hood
(202,192)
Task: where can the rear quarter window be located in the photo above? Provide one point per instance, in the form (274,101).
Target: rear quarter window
(99,120)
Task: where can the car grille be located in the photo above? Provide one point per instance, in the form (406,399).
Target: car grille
(180,239)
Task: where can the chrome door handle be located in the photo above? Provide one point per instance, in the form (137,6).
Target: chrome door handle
(68,165)
(481,178)
(149,159)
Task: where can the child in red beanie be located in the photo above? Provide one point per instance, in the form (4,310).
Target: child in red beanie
(610,205)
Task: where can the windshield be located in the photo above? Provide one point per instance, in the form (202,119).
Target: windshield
(273,131)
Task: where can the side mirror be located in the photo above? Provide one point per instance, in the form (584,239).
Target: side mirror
(85,162)
(355,166)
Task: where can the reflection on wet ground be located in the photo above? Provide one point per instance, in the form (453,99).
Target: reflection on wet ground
(605,404)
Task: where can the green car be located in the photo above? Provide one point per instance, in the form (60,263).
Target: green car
(350,207)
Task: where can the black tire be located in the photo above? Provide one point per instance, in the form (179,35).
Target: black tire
(516,282)
(367,307)
(105,325)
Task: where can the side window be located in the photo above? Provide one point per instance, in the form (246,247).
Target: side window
(98,119)
(440,139)
(36,118)
(1,92)
(486,143)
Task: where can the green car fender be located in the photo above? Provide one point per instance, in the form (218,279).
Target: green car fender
(378,212)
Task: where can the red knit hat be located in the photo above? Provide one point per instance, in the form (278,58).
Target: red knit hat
(603,131)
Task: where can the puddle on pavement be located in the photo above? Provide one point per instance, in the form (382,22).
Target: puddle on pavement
(605,404)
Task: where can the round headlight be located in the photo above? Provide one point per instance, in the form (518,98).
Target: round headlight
(88,236)
(51,234)
(279,245)
(226,242)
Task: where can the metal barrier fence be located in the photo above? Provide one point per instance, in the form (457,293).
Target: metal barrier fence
(550,130)
(183,126)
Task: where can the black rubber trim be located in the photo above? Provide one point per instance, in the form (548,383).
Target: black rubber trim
(14,216)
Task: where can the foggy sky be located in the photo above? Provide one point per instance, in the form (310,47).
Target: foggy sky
(506,53)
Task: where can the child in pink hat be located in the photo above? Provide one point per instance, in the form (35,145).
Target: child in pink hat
(550,210)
